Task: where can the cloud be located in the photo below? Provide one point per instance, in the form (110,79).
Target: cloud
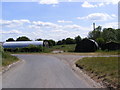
(88,5)
(45,24)
(113,15)
(110,25)
(63,21)
(40,29)
(10,32)
(48,2)
(49,30)
(100,4)
(97,17)
(112,1)
(13,23)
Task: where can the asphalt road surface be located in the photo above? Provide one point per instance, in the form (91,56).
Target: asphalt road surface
(42,71)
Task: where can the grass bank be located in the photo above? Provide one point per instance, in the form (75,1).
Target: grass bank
(103,69)
(8,59)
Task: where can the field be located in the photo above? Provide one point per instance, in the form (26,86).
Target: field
(71,47)
(103,69)
(65,48)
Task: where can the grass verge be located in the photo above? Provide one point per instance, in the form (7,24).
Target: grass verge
(8,59)
(100,52)
(103,69)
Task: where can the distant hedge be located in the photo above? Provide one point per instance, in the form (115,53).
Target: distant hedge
(86,45)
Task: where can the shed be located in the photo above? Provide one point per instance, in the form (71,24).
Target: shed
(111,46)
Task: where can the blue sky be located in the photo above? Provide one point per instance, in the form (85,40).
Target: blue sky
(55,20)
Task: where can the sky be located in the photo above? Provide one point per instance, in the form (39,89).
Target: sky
(52,19)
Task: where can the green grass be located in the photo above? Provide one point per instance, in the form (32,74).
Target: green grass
(108,52)
(71,48)
(65,48)
(103,68)
(8,59)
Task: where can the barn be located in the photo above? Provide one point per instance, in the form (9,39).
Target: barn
(21,44)
(86,45)
(111,46)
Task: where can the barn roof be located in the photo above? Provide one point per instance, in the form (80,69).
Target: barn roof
(94,42)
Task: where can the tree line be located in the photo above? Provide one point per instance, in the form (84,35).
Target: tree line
(101,36)
(50,42)
(105,35)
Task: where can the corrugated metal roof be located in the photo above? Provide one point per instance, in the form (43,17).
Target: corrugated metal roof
(15,44)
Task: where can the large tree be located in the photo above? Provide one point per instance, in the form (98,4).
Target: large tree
(118,35)
(70,41)
(95,33)
(77,39)
(59,42)
(23,38)
(52,42)
(109,34)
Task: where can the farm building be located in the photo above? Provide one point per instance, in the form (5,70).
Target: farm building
(111,46)
(21,44)
(86,45)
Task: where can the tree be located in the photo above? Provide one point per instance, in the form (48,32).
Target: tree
(59,42)
(10,39)
(23,38)
(95,33)
(52,42)
(39,39)
(109,34)
(70,41)
(118,35)
(100,42)
(63,41)
(77,39)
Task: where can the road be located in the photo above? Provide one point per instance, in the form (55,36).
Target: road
(42,71)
